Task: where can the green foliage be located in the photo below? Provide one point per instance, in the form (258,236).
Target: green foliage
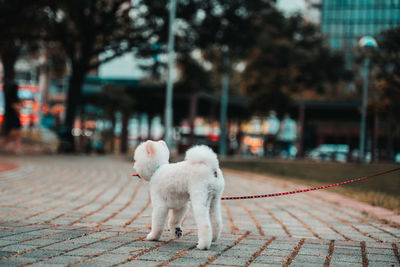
(207,26)
(386,98)
(194,77)
(22,24)
(387,60)
(288,57)
(87,29)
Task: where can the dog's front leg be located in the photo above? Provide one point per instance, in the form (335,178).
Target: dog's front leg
(201,211)
(159,216)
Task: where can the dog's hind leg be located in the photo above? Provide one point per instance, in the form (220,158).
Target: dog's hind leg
(216,218)
(175,221)
(201,211)
(159,216)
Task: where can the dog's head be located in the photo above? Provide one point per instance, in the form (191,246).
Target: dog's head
(148,157)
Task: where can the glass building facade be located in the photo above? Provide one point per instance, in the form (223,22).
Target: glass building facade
(344,22)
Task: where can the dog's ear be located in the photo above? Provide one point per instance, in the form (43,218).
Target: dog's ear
(150,149)
(162,142)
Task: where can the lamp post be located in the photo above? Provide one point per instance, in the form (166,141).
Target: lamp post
(168,99)
(224,101)
(367,42)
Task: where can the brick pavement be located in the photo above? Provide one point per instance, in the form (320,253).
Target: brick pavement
(77,211)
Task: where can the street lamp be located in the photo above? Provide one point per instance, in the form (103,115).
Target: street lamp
(224,101)
(367,42)
(171,53)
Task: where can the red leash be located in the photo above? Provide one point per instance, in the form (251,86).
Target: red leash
(311,189)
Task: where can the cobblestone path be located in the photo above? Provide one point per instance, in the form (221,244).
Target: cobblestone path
(76,211)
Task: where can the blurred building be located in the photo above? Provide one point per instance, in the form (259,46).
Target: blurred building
(345,22)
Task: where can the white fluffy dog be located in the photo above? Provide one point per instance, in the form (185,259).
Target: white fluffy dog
(197,179)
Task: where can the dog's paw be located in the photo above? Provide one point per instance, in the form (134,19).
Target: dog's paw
(203,246)
(178,232)
(151,237)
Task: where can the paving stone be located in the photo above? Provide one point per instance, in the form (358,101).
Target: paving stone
(313,251)
(41,253)
(18,247)
(269,259)
(276,252)
(347,258)
(40,242)
(309,259)
(341,263)
(188,261)
(5,254)
(231,260)
(103,245)
(383,263)
(63,246)
(157,256)
(377,257)
(94,263)
(4,243)
(45,264)
(112,258)
(143,263)
(15,261)
(84,252)
(380,251)
(64,260)
(260,265)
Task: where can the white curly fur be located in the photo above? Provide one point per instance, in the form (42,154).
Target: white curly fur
(202,154)
(197,179)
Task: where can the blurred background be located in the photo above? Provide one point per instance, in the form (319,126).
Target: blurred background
(284,79)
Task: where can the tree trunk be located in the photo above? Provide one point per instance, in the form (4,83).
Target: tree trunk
(9,57)
(193,114)
(73,99)
(113,123)
(124,133)
(389,134)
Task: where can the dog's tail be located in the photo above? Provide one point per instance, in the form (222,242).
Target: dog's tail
(202,154)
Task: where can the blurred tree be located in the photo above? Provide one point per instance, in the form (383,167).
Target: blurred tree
(93,32)
(387,98)
(288,57)
(207,26)
(193,76)
(22,23)
(232,25)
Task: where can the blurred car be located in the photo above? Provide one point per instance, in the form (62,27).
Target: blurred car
(397,158)
(328,152)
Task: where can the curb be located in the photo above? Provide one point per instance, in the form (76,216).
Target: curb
(379,213)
